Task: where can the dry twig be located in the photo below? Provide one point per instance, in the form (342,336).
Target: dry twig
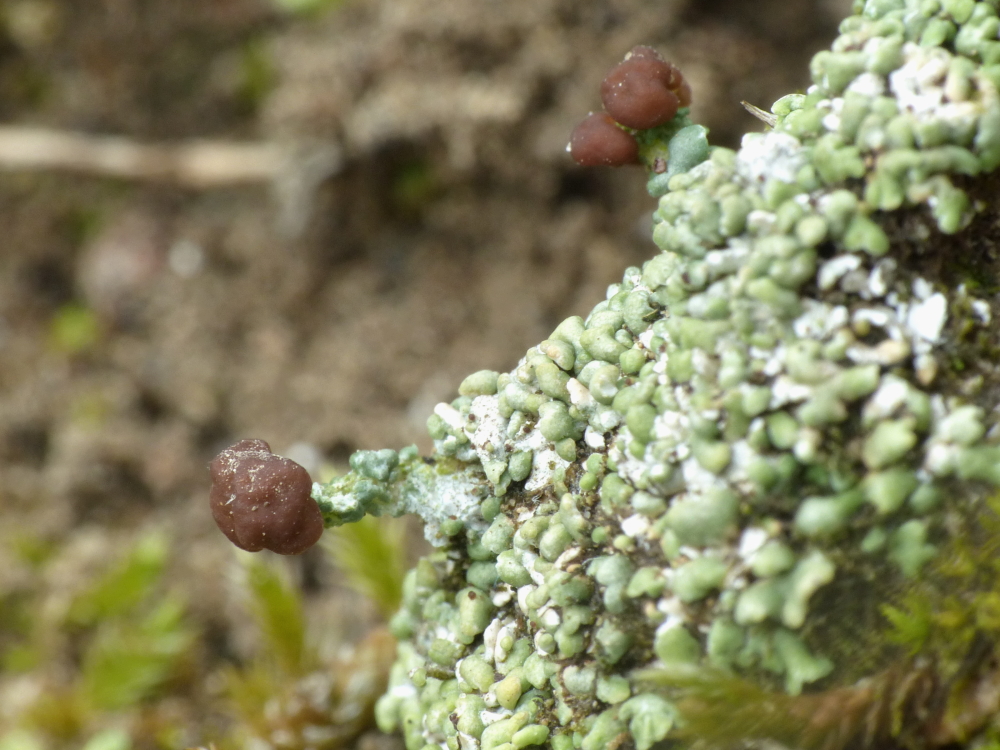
(198,164)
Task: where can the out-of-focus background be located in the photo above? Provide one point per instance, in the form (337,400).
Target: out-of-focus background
(400,211)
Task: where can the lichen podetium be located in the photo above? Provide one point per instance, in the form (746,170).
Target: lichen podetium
(752,495)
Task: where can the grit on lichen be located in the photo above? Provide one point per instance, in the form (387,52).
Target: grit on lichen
(757,456)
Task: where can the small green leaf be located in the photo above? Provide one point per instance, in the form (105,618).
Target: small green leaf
(277,607)
(124,586)
(126,663)
(371,555)
(911,627)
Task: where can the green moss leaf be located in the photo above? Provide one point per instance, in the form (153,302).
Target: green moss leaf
(128,662)
(124,586)
(277,607)
(370,553)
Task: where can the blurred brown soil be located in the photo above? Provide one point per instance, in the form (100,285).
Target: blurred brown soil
(143,328)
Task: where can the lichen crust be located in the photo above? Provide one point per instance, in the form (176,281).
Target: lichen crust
(764,440)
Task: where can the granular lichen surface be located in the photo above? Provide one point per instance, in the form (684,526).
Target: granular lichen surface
(768,454)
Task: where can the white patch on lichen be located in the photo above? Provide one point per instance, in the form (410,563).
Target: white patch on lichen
(751,540)
(544,466)
(868,84)
(832,271)
(922,288)
(593,439)
(340,504)
(675,611)
(699,480)
(834,107)
(579,395)
(926,319)
(890,395)
(819,320)
(887,353)
(982,311)
(404,690)
(491,637)
(879,317)
(880,278)
(491,717)
(724,262)
(528,562)
(772,155)
(774,359)
(786,391)
(567,557)
(919,83)
(760,221)
(743,457)
(606,419)
(522,597)
(807,445)
(451,416)
(920,86)
(447,497)
(671,425)
(704,364)
(635,525)
(490,432)
(940,458)
(549,618)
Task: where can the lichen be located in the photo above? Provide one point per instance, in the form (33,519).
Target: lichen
(760,458)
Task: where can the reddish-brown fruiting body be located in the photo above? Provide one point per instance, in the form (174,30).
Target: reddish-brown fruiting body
(263,501)
(644,91)
(598,142)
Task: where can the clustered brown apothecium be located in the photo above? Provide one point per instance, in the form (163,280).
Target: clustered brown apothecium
(643,91)
(263,501)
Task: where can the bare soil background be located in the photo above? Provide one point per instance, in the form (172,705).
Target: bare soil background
(145,327)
